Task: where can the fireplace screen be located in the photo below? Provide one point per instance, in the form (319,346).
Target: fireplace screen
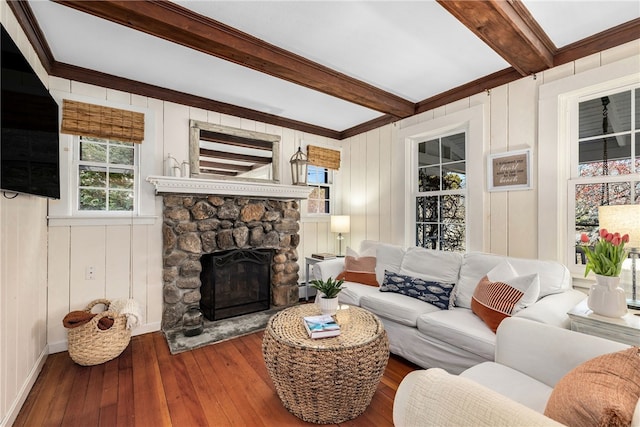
(235,282)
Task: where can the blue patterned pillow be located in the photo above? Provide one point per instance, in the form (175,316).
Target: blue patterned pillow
(432,292)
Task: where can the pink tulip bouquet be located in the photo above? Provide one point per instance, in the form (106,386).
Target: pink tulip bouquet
(607,254)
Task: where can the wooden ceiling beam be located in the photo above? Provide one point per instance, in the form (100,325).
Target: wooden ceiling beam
(509,29)
(177,24)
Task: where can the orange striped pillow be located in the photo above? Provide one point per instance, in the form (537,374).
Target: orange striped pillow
(359,269)
(495,301)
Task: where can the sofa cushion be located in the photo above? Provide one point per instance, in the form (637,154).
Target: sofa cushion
(428,264)
(459,328)
(399,308)
(388,258)
(512,383)
(359,268)
(435,293)
(352,292)
(601,391)
(553,276)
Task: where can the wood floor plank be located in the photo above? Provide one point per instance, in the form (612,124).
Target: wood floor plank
(181,395)
(125,411)
(225,384)
(109,395)
(150,401)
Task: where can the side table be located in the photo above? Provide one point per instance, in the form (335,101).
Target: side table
(625,329)
(327,380)
(308,262)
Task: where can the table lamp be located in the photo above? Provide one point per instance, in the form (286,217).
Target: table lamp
(625,219)
(340,224)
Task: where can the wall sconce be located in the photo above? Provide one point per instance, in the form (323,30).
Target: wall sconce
(625,219)
(340,224)
(299,168)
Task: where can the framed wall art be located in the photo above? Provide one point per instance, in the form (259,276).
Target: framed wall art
(509,171)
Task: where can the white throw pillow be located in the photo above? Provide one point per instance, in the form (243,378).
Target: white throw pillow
(388,257)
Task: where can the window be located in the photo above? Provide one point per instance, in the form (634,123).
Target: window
(106,175)
(441,193)
(605,160)
(319,201)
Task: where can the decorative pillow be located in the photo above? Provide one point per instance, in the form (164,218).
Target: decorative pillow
(434,293)
(359,268)
(501,293)
(603,391)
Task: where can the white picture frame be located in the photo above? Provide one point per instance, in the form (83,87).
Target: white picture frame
(509,171)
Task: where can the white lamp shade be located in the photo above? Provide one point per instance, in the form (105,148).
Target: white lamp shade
(340,223)
(623,219)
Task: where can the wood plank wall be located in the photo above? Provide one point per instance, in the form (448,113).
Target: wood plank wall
(38,286)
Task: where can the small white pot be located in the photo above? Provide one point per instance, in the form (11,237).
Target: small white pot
(328,305)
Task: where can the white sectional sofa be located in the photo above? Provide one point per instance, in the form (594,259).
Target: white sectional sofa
(531,358)
(453,339)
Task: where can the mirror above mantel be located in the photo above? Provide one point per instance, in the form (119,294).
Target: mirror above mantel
(226,153)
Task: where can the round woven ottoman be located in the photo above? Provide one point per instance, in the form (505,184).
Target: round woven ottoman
(327,380)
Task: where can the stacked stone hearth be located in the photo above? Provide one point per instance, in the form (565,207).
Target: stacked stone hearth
(198,224)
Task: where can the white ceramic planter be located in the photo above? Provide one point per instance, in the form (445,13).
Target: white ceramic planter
(606,298)
(328,305)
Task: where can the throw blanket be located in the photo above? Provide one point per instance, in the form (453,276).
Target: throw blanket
(130,308)
(79,318)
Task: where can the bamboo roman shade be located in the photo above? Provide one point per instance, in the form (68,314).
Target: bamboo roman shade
(97,121)
(323,157)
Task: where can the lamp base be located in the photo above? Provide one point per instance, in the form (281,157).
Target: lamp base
(633,304)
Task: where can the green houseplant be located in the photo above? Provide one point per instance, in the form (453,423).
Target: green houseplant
(607,254)
(329,290)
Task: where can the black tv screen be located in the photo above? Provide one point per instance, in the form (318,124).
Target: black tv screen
(29,153)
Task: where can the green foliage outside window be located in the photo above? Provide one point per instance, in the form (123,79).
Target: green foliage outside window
(106,175)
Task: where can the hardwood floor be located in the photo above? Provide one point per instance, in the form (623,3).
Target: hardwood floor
(225,384)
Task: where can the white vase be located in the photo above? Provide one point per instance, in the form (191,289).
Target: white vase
(328,305)
(606,298)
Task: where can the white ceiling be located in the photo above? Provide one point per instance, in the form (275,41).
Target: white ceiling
(414,49)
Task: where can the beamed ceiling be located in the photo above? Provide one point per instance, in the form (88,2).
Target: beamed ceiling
(330,68)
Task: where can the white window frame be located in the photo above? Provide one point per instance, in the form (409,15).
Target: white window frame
(438,193)
(574,178)
(472,121)
(64,212)
(554,159)
(75,181)
(329,185)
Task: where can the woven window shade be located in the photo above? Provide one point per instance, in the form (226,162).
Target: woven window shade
(323,157)
(97,121)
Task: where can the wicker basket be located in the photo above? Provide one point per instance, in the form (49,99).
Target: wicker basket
(90,345)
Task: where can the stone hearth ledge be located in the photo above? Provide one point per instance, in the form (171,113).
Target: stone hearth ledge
(171,184)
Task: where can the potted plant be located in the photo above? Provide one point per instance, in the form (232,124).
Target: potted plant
(605,259)
(329,290)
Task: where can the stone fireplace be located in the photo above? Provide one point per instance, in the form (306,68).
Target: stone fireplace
(198,224)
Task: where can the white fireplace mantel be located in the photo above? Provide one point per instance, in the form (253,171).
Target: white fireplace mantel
(172,184)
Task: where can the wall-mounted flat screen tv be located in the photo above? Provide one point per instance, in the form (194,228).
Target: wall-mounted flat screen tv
(29,153)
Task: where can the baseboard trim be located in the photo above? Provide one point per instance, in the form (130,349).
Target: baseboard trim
(14,410)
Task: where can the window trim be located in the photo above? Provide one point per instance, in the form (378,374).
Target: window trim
(61,212)
(329,185)
(473,121)
(554,164)
(575,179)
(437,193)
(75,184)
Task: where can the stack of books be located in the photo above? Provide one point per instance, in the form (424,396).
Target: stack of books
(323,255)
(322,326)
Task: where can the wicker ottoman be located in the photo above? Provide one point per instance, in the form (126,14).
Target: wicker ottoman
(328,380)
